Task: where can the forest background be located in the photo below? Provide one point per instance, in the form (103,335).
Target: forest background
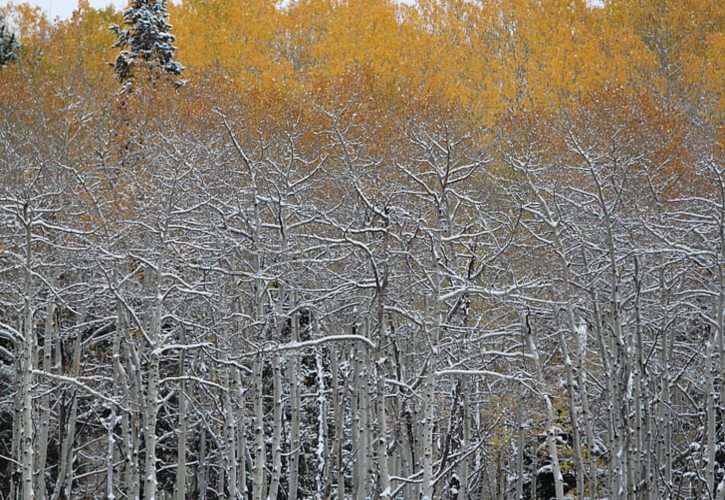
(359,249)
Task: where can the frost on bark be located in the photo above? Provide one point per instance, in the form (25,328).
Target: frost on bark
(287,309)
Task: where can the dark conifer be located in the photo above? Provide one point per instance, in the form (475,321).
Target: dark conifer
(147,39)
(8,44)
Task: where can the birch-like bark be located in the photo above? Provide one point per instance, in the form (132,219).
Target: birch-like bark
(278,412)
(151,403)
(466,441)
(719,307)
(321,449)
(230,435)
(711,403)
(428,416)
(664,411)
(384,487)
(432,326)
(382,438)
(519,444)
(242,451)
(183,422)
(202,467)
(133,429)
(110,446)
(48,342)
(550,418)
(581,335)
(361,416)
(120,377)
(642,452)
(64,483)
(355,410)
(26,447)
(338,410)
(221,462)
(573,414)
(295,408)
(260,454)
(127,370)
(368,439)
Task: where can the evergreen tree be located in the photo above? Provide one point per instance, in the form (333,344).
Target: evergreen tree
(147,39)
(8,44)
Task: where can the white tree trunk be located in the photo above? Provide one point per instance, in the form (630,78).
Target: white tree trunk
(550,418)
(295,408)
(260,454)
(277,432)
(42,446)
(26,363)
(183,422)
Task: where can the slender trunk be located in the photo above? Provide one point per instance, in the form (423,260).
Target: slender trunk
(111,453)
(338,409)
(520,443)
(181,444)
(42,446)
(241,435)
(150,412)
(463,468)
(26,364)
(260,454)
(382,440)
(711,403)
(295,409)
(64,482)
(110,442)
(719,324)
(550,418)
(128,374)
(202,462)
(642,451)
(355,425)
(151,404)
(573,414)
(321,450)
(277,432)
(230,433)
(581,335)
(428,401)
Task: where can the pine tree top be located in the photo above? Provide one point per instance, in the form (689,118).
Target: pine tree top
(147,38)
(8,44)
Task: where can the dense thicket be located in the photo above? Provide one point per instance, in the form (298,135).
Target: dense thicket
(455,250)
